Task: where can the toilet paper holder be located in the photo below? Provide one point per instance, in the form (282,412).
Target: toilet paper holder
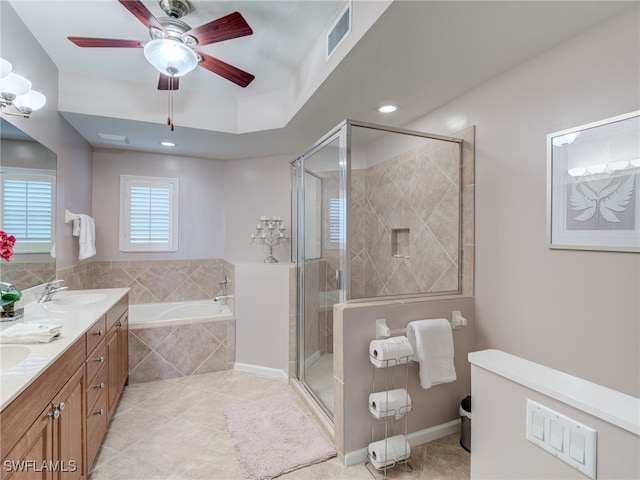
(383,331)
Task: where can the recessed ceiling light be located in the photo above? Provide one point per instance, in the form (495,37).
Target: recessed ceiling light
(388,108)
(167,144)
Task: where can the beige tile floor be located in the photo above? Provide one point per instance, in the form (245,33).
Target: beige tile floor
(174,430)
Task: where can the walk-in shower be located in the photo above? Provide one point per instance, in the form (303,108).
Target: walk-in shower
(377,215)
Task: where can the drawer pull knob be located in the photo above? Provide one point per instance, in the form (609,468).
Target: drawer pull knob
(55,414)
(99,333)
(99,412)
(99,359)
(99,386)
(60,406)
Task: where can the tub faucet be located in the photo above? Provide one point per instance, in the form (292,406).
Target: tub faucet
(222,298)
(50,289)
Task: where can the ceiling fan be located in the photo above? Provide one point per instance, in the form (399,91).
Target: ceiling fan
(172,48)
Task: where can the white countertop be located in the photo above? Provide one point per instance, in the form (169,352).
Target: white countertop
(609,405)
(75,321)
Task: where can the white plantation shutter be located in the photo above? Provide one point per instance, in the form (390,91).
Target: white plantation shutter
(336,220)
(148,214)
(27,208)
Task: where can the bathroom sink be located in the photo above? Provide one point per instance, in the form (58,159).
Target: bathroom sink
(11,355)
(80,299)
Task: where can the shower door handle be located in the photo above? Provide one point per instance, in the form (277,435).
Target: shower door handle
(339,279)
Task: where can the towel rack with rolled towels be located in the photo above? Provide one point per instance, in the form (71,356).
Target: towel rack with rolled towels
(383,331)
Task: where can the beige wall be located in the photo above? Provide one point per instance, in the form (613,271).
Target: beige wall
(499,447)
(576,311)
(354,328)
(201,202)
(47,126)
(256,187)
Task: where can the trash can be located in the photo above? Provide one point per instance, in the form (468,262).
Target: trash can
(465,417)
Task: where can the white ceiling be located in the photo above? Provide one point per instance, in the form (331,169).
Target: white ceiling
(418,54)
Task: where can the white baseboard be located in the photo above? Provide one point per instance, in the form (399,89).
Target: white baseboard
(315,356)
(263,371)
(415,438)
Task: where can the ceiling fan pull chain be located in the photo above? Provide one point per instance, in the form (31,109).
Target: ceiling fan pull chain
(170,104)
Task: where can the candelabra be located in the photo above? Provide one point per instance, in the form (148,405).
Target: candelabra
(270,232)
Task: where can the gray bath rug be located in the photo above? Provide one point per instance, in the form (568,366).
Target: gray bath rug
(274,436)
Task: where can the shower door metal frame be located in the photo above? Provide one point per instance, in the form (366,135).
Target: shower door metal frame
(343,132)
(339,133)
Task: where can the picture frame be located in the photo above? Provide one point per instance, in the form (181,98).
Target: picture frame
(593,186)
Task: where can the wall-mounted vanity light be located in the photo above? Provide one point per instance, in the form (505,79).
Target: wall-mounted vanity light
(16,96)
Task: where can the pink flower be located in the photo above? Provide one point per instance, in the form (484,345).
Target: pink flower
(6,245)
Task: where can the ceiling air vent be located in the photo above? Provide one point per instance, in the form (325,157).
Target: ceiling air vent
(339,30)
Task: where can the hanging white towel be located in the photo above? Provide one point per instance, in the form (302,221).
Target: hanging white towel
(30,333)
(85,228)
(432,341)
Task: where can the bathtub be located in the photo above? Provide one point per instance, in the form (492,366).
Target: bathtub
(148,315)
(180,339)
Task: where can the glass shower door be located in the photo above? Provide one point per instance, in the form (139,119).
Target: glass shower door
(321,256)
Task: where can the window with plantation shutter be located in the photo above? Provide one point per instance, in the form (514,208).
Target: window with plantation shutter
(336,220)
(148,214)
(26,208)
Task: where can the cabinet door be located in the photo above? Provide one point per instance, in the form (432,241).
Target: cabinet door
(113,387)
(69,440)
(123,349)
(32,452)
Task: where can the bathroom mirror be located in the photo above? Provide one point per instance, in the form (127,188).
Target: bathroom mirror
(27,207)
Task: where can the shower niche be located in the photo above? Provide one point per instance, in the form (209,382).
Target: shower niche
(378,214)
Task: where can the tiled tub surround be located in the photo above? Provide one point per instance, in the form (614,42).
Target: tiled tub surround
(153,281)
(162,348)
(158,352)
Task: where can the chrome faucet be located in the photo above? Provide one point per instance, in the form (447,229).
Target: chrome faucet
(50,289)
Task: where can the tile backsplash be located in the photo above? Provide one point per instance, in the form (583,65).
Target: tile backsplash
(153,281)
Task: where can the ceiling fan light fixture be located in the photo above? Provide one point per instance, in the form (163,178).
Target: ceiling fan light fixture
(5,67)
(170,57)
(13,86)
(30,102)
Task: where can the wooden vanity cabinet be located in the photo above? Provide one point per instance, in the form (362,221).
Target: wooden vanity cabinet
(50,444)
(117,353)
(53,429)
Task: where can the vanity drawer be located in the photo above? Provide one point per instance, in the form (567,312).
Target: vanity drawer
(96,387)
(96,427)
(96,360)
(96,333)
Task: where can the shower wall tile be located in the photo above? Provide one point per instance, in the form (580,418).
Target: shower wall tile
(414,193)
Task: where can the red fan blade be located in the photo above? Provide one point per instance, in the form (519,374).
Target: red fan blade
(164,83)
(231,73)
(105,42)
(224,28)
(142,13)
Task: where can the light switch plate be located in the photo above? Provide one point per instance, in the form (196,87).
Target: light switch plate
(564,438)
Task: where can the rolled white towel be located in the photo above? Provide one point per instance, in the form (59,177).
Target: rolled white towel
(388,352)
(387,452)
(30,333)
(391,403)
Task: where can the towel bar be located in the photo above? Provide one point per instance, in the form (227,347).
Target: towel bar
(383,331)
(69,217)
